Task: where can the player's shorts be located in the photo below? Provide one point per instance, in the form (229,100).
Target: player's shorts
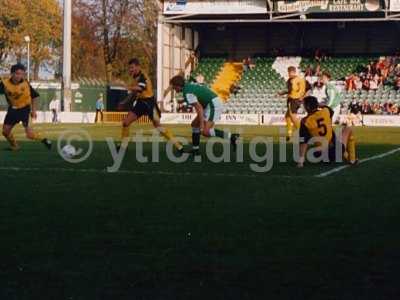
(332,155)
(146,107)
(294,105)
(16,115)
(214,110)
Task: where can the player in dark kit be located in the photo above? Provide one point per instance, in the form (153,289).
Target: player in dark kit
(142,102)
(318,124)
(22,99)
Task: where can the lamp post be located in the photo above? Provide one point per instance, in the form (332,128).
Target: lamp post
(28,41)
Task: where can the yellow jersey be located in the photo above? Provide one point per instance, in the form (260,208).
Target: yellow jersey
(296,88)
(143,81)
(18,95)
(318,124)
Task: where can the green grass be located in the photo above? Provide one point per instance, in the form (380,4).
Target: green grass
(197,230)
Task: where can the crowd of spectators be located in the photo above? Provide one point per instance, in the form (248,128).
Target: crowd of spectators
(384,71)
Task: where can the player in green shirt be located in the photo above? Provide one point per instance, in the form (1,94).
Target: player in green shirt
(333,96)
(208,108)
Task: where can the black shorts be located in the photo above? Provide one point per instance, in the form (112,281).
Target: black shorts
(332,151)
(146,107)
(14,116)
(293,105)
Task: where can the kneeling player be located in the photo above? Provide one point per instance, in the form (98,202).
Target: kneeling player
(318,124)
(22,99)
(208,108)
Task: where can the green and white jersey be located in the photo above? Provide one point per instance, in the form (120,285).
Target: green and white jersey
(334,96)
(194,92)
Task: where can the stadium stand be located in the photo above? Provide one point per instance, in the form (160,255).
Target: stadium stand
(208,68)
(260,85)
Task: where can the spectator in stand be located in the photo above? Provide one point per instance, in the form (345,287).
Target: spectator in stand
(308,72)
(354,117)
(377,108)
(366,108)
(397,83)
(388,108)
(246,65)
(374,83)
(319,91)
(319,56)
(357,83)
(350,82)
(397,70)
(318,71)
(395,109)
(234,89)
(366,83)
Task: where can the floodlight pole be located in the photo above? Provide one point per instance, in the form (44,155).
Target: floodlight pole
(28,41)
(67,92)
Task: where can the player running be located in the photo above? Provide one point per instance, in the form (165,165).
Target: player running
(142,102)
(22,101)
(208,108)
(318,123)
(333,96)
(297,88)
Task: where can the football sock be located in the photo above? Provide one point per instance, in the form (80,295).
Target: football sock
(36,137)
(125,132)
(169,136)
(220,133)
(289,127)
(351,149)
(11,140)
(196,138)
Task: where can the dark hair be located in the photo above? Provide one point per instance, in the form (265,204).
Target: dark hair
(325,73)
(292,69)
(17,67)
(310,103)
(177,80)
(134,61)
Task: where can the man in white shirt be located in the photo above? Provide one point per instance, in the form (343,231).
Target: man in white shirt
(54,107)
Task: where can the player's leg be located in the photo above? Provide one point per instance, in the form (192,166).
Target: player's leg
(126,123)
(10,121)
(212,114)
(336,115)
(7,133)
(294,108)
(349,142)
(289,126)
(32,135)
(196,132)
(24,115)
(155,116)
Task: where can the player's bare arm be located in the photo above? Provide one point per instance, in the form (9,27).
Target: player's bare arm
(34,108)
(302,155)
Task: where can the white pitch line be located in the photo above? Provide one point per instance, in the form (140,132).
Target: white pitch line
(338,169)
(133,172)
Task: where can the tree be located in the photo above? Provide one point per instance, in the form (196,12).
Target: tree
(125,28)
(87,50)
(11,16)
(38,19)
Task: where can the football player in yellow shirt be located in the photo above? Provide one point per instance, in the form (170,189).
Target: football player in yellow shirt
(318,124)
(144,104)
(296,91)
(22,100)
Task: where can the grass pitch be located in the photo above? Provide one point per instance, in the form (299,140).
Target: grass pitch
(197,230)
